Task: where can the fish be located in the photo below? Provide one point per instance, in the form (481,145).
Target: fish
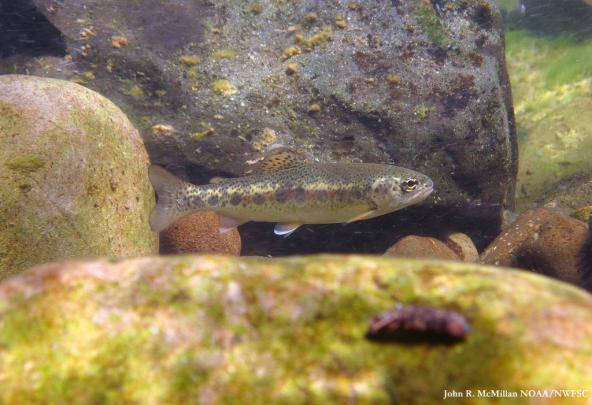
(290,191)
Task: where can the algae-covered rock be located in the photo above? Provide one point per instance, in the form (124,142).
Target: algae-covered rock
(206,329)
(73,176)
(417,83)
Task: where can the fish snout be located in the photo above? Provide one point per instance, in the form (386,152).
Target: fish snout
(426,189)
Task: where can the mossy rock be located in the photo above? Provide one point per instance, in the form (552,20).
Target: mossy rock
(214,329)
(73,176)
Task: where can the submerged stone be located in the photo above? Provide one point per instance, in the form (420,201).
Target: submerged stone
(74,176)
(210,329)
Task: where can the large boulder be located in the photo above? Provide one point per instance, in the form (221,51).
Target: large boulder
(73,178)
(212,329)
(212,84)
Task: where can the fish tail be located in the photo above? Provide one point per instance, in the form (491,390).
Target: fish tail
(168,188)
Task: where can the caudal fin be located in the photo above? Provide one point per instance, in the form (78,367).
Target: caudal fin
(167,187)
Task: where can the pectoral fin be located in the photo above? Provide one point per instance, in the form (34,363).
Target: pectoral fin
(285,229)
(363,215)
(227,224)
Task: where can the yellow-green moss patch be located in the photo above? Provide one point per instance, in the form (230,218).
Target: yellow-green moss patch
(166,330)
(25,164)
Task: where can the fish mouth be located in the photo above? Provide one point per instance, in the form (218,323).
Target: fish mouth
(422,194)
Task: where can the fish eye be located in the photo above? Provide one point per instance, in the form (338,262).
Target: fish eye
(409,185)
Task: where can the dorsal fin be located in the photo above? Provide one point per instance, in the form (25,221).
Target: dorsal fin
(217,180)
(282,157)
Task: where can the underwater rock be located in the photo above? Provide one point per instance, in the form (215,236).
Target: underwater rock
(421,247)
(420,84)
(542,241)
(586,260)
(178,330)
(198,233)
(556,150)
(463,246)
(74,176)
(572,197)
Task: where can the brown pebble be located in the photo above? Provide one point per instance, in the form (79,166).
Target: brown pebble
(421,246)
(119,41)
(585,260)
(463,246)
(543,241)
(198,233)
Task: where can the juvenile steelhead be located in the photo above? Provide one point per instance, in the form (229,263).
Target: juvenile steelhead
(317,193)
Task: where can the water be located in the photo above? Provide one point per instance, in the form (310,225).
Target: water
(207,87)
(490,100)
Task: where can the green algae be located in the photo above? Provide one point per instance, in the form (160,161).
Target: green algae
(224,87)
(169,330)
(133,90)
(224,54)
(422,111)
(430,23)
(26,164)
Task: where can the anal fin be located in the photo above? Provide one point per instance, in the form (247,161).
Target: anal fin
(227,224)
(285,230)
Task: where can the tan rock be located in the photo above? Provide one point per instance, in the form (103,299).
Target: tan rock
(423,247)
(73,176)
(463,246)
(198,233)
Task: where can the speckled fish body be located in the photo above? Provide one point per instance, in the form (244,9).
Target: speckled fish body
(306,194)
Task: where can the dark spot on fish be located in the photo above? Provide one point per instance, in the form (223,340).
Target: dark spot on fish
(196,201)
(181,202)
(322,195)
(357,194)
(282,195)
(213,200)
(236,199)
(342,194)
(258,199)
(299,195)
(416,324)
